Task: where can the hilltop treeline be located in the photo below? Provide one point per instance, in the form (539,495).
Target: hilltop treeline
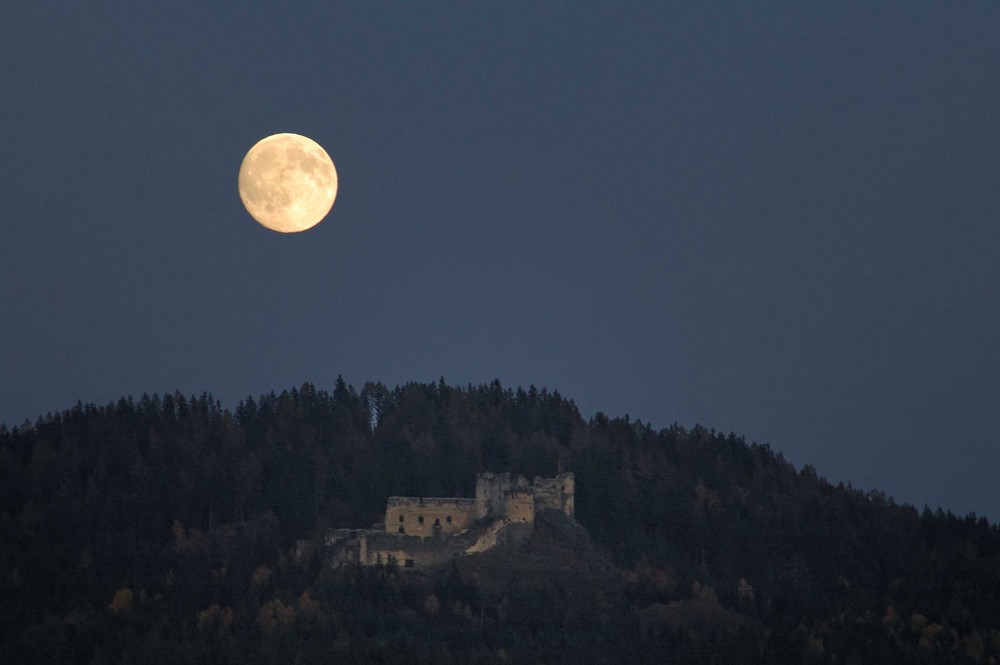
(170,529)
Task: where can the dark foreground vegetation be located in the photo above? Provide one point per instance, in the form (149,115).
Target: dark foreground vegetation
(169,530)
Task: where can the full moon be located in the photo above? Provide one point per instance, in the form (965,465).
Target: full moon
(288,183)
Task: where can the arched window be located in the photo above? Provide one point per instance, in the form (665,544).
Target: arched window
(400,518)
(420,518)
(437,521)
(448,519)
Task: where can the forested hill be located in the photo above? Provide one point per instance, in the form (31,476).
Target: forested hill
(164,529)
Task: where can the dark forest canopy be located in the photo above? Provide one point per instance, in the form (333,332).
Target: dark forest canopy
(170,529)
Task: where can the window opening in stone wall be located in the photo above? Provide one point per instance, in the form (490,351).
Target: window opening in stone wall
(401,529)
(437,521)
(408,563)
(448,519)
(420,519)
(401,518)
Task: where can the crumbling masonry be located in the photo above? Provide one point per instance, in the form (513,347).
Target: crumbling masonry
(424,531)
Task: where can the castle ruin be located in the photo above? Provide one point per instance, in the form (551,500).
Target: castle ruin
(421,531)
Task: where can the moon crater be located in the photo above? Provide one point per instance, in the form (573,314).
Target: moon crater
(288,183)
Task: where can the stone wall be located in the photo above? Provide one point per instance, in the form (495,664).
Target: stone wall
(519,506)
(409,551)
(413,516)
(492,490)
(558,493)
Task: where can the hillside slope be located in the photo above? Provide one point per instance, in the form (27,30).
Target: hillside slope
(163,530)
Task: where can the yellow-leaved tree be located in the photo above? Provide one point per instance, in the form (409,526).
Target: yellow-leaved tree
(122,601)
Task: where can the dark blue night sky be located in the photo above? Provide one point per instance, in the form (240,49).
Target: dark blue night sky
(780,221)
